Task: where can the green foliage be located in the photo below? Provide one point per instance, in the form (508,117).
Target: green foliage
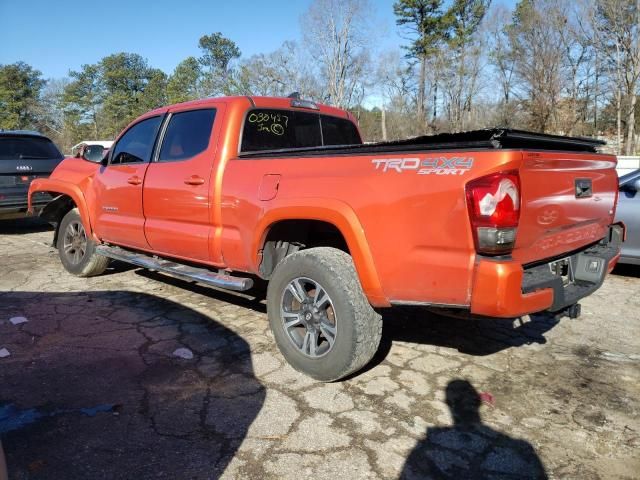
(463,19)
(106,96)
(217,51)
(20,87)
(184,83)
(217,54)
(424,22)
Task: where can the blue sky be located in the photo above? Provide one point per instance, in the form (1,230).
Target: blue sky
(55,36)
(59,35)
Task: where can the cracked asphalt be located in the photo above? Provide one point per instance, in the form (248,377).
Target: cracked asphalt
(91,388)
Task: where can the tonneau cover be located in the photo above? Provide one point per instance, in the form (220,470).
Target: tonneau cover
(488,138)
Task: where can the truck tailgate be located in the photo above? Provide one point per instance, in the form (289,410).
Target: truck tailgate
(568,201)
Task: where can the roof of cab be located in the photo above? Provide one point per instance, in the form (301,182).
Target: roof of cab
(254,101)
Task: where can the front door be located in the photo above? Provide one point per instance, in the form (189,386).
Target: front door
(120,219)
(177,191)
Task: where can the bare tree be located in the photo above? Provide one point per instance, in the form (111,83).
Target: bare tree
(503,60)
(536,42)
(278,73)
(465,49)
(578,50)
(336,34)
(618,32)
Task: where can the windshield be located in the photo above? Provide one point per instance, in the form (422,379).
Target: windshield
(25,148)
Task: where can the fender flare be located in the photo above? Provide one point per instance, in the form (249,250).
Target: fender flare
(63,188)
(341,216)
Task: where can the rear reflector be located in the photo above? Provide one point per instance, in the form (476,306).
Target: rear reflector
(494,210)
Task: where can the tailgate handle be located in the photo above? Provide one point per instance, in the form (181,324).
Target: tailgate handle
(194,180)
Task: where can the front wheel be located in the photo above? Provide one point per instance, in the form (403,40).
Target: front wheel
(77,250)
(320,318)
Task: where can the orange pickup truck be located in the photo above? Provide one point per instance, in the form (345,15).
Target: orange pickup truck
(222,191)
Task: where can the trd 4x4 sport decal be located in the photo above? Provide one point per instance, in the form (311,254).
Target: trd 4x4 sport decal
(426,166)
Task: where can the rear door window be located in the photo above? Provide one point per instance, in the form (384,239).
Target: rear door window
(25,148)
(187,135)
(136,145)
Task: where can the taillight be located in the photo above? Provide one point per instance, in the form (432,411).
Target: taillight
(494,211)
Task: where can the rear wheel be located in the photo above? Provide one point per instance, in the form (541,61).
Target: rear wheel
(319,316)
(77,249)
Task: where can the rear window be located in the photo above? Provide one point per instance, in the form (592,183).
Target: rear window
(266,129)
(25,148)
(339,131)
(187,135)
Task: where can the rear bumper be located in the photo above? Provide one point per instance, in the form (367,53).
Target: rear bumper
(506,289)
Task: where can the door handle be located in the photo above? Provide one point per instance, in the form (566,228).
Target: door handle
(194,180)
(135,180)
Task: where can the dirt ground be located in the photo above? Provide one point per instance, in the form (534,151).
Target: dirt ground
(92,389)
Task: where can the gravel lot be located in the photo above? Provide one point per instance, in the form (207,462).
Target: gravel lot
(92,388)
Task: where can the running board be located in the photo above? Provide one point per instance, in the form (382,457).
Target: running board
(179,270)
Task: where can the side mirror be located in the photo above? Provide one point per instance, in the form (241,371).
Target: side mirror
(93,153)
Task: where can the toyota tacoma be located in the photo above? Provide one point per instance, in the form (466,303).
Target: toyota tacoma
(222,191)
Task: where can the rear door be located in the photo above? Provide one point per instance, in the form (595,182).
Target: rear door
(178,185)
(118,186)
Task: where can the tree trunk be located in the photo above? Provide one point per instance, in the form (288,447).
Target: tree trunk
(435,105)
(595,97)
(384,125)
(629,144)
(619,120)
(421,88)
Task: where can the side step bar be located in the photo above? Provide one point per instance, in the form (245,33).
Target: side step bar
(179,270)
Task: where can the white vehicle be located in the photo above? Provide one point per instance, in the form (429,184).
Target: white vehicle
(76,148)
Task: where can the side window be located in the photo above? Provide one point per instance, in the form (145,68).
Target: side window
(187,135)
(339,131)
(266,129)
(136,145)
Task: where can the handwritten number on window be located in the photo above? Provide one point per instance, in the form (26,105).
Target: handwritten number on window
(273,123)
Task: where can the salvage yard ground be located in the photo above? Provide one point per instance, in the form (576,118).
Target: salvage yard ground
(91,387)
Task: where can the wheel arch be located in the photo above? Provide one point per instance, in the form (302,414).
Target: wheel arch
(66,197)
(334,215)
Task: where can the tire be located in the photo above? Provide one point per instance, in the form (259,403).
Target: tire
(303,330)
(76,250)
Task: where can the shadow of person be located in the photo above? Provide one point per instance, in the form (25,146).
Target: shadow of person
(94,389)
(470,449)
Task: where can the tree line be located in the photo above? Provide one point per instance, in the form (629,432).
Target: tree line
(552,66)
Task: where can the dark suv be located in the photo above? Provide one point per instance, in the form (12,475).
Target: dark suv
(24,155)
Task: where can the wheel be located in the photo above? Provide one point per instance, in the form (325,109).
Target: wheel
(322,322)
(76,250)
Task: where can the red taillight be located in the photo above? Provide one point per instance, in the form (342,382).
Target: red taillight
(494,211)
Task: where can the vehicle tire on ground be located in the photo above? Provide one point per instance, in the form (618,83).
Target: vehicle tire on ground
(320,318)
(77,249)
